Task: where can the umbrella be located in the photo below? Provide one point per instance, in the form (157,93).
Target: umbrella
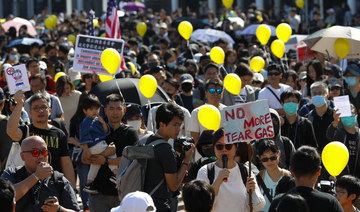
(17,23)
(196,23)
(323,40)
(133,6)
(237,20)
(251,30)
(210,35)
(129,88)
(293,42)
(25,42)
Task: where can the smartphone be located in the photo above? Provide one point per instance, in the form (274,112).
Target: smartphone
(50,199)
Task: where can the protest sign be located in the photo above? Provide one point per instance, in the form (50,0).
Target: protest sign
(247,122)
(342,103)
(88,51)
(17,79)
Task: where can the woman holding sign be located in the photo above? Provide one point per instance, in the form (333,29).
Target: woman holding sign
(230,179)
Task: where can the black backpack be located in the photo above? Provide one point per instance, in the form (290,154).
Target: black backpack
(211,172)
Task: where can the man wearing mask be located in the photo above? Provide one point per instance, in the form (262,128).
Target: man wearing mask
(13,56)
(186,95)
(344,129)
(64,56)
(299,129)
(352,79)
(51,51)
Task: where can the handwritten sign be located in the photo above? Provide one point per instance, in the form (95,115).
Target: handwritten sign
(247,122)
(17,79)
(343,104)
(88,51)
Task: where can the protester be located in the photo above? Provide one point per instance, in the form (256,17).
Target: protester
(186,95)
(36,181)
(135,119)
(135,202)
(347,192)
(198,196)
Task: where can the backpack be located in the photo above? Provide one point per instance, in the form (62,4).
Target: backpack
(211,172)
(131,173)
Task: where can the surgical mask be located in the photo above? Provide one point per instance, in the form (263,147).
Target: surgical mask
(290,108)
(209,152)
(171,65)
(42,71)
(318,101)
(135,124)
(264,73)
(53,58)
(348,121)
(186,87)
(14,57)
(139,45)
(206,21)
(351,81)
(153,64)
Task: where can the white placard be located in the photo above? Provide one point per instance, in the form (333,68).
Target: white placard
(17,79)
(88,51)
(343,104)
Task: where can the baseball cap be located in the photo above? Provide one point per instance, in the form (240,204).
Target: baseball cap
(302,75)
(163,25)
(43,65)
(186,78)
(353,69)
(132,110)
(191,62)
(333,82)
(137,201)
(75,76)
(258,77)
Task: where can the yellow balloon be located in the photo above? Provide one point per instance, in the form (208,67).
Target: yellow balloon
(283,32)
(227,3)
(53,20)
(95,22)
(110,59)
(103,35)
(263,33)
(232,83)
(209,116)
(335,157)
(148,85)
(278,48)
(48,23)
(104,78)
(141,28)
(185,29)
(217,55)
(300,3)
(342,47)
(133,68)
(58,75)
(72,38)
(257,63)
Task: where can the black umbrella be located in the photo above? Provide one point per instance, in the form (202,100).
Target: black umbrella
(196,23)
(129,88)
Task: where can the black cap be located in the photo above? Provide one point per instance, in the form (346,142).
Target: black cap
(132,110)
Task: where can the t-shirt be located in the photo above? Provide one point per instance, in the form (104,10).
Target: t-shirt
(55,140)
(55,106)
(316,200)
(123,136)
(271,186)
(163,163)
(92,132)
(352,144)
(265,93)
(69,105)
(187,101)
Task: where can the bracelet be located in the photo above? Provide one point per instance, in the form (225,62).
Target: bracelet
(37,179)
(187,164)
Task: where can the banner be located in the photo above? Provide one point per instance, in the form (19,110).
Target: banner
(247,122)
(88,51)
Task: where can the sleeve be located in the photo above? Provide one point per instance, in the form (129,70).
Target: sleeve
(27,106)
(194,125)
(202,174)
(64,150)
(187,121)
(257,198)
(261,94)
(56,105)
(23,129)
(132,138)
(332,134)
(72,128)
(166,158)
(85,128)
(68,197)
(8,175)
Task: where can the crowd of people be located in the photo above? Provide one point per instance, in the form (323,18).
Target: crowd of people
(67,134)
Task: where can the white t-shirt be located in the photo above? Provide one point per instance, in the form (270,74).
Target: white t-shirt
(271,185)
(232,195)
(273,102)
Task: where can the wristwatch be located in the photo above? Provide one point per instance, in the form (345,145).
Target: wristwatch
(106,162)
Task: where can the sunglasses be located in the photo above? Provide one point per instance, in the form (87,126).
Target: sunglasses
(273,73)
(273,158)
(36,152)
(221,147)
(213,90)
(335,88)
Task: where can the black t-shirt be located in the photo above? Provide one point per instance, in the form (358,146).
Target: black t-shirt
(123,136)
(55,140)
(187,102)
(316,200)
(352,143)
(163,163)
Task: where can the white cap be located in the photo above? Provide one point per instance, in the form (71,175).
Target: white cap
(258,77)
(137,201)
(74,75)
(43,65)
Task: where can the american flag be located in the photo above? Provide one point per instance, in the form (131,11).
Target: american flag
(112,28)
(91,26)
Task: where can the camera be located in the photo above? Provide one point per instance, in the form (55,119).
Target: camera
(183,144)
(326,186)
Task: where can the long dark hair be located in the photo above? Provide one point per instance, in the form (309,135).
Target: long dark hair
(60,85)
(319,72)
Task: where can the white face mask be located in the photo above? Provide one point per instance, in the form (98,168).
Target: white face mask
(136,124)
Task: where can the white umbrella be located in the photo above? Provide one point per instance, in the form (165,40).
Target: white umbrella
(323,40)
(293,42)
(210,35)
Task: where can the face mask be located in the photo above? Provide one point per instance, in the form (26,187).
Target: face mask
(171,65)
(348,121)
(53,58)
(153,64)
(42,72)
(139,45)
(290,108)
(96,33)
(135,124)
(186,87)
(14,57)
(37,55)
(133,61)
(351,81)
(264,73)
(318,101)
(209,152)
(61,58)
(206,21)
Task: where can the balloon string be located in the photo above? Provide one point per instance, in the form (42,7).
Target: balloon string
(119,90)
(267,53)
(188,45)
(241,98)
(222,66)
(286,60)
(150,117)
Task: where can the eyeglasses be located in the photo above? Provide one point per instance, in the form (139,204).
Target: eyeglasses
(38,109)
(340,193)
(36,152)
(213,90)
(273,73)
(221,146)
(87,76)
(273,158)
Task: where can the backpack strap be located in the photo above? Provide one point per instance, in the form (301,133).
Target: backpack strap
(157,187)
(243,172)
(263,186)
(274,94)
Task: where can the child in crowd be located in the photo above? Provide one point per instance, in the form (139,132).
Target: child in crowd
(93,131)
